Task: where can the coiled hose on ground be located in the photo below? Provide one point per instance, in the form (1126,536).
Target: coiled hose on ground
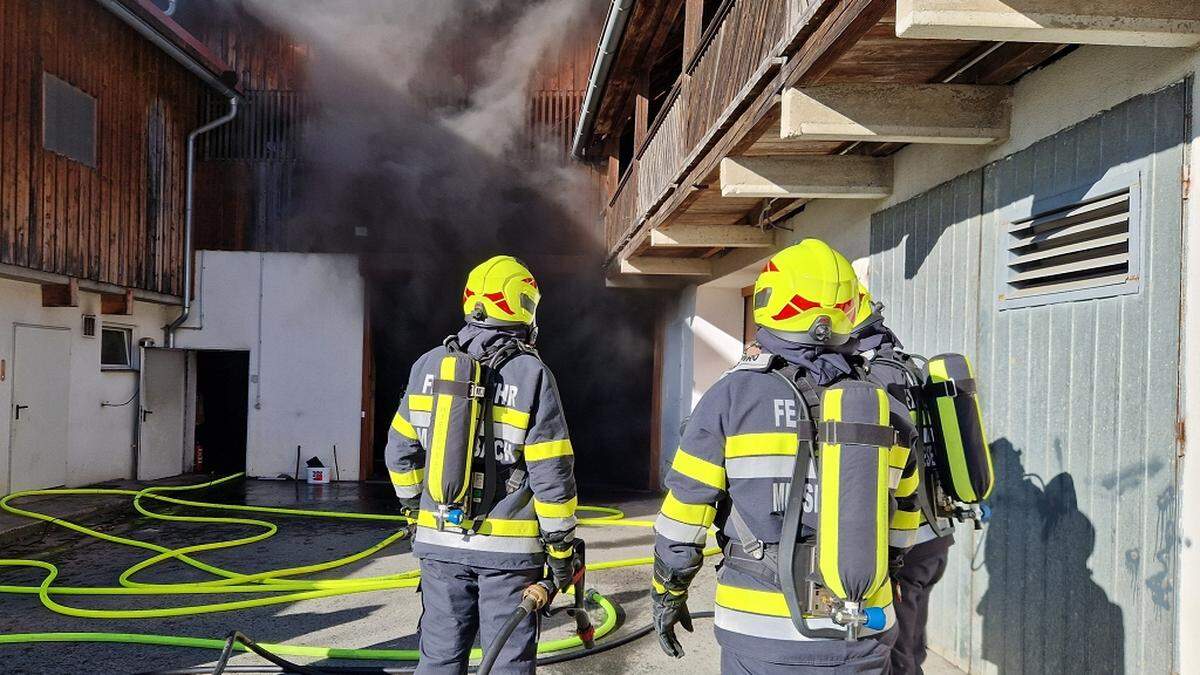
(282,585)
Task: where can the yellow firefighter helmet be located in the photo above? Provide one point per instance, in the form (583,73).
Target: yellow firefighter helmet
(808,293)
(501,291)
(866,309)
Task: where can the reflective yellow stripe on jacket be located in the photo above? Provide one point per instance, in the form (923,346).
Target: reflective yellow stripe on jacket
(764,614)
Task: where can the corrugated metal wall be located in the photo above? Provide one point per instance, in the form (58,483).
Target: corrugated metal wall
(924,268)
(1076,571)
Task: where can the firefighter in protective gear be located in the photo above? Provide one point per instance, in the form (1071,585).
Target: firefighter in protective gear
(735,465)
(473,574)
(924,563)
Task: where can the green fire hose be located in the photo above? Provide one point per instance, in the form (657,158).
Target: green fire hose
(280,586)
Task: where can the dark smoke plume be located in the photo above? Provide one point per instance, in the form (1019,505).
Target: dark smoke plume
(418,137)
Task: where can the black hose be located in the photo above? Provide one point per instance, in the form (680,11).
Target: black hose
(608,645)
(493,650)
(283,666)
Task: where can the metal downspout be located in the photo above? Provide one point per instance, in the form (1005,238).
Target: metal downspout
(188,253)
(606,52)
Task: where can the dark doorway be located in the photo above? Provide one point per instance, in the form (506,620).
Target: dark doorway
(222,396)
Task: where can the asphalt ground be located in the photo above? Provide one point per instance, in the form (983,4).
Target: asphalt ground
(381,619)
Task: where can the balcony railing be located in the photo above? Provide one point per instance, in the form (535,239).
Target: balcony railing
(737,54)
(622,212)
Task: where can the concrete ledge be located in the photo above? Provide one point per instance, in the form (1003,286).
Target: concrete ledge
(1137,23)
(835,177)
(897,113)
(695,267)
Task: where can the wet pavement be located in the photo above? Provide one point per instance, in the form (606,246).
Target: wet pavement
(383,619)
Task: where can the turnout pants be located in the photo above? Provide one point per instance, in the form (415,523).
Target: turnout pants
(923,567)
(458,601)
(868,656)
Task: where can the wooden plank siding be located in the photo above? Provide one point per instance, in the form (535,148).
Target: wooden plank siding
(60,216)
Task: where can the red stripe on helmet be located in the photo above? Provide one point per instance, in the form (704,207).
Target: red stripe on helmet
(797,304)
(499,301)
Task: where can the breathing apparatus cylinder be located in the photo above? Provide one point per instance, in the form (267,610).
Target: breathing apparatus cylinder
(457,394)
(961,453)
(852,545)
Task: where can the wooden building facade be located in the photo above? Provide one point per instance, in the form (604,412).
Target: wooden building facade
(115,217)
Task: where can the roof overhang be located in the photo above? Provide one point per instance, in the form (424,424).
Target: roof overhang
(151,23)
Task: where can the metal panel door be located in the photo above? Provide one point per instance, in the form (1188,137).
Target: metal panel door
(924,268)
(41,395)
(1079,564)
(162,410)
(1077,569)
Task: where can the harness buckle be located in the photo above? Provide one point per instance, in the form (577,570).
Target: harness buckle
(755,549)
(476,391)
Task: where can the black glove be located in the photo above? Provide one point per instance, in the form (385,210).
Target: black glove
(561,558)
(410,506)
(670,609)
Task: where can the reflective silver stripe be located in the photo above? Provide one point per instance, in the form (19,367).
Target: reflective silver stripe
(478,542)
(902,538)
(682,532)
(925,532)
(509,433)
(556,524)
(763,466)
(894,476)
(782,628)
(502,431)
(407,491)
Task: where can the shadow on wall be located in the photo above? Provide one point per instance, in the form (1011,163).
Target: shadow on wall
(1042,605)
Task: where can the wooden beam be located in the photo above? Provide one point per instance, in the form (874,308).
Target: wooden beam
(693,28)
(117,303)
(691,267)
(1138,23)
(903,113)
(61,295)
(641,112)
(844,177)
(710,236)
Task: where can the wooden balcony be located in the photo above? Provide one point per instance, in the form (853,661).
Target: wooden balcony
(786,101)
(736,58)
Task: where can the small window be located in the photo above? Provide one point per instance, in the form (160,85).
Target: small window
(115,348)
(68,121)
(1075,246)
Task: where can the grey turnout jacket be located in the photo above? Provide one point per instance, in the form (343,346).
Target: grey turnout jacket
(534,459)
(739,449)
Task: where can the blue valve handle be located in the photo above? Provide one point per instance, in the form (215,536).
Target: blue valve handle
(455,517)
(876,619)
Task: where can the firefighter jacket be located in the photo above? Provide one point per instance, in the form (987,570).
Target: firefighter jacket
(739,448)
(886,365)
(535,462)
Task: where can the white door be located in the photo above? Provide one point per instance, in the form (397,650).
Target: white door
(41,391)
(160,446)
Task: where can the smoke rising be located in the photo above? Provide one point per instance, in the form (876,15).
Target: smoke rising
(418,131)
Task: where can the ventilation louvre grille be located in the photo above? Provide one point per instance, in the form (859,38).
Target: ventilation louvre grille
(1081,246)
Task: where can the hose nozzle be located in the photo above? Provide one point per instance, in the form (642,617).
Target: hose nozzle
(536,596)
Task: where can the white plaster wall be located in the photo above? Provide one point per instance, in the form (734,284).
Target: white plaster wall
(301,318)
(677,374)
(100,439)
(716,335)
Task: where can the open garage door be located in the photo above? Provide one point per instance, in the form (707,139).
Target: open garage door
(162,410)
